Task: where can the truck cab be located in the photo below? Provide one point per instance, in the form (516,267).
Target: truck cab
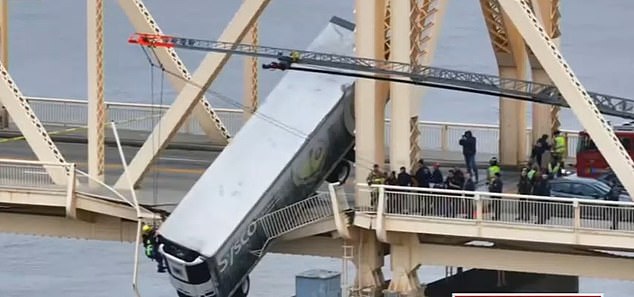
(590,162)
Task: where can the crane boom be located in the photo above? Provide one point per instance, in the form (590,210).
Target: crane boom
(388,70)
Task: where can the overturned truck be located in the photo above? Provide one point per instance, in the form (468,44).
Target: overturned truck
(301,136)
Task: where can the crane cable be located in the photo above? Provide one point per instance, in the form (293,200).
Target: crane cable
(155,169)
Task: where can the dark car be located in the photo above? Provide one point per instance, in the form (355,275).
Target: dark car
(586,189)
(611,179)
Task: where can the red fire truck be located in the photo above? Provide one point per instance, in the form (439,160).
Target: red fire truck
(590,162)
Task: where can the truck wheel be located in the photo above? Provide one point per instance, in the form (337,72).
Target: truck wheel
(243,290)
(340,174)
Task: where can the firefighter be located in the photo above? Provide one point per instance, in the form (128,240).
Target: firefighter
(294,56)
(376,177)
(559,149)
(493,169)
(151,247)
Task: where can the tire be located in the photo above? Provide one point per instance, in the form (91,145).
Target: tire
(243,290)
(340,174)
(181,294)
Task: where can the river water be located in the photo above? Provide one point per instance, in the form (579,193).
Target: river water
(47,53)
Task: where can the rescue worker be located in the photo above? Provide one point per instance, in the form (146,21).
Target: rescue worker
(559,149)
(375,177)
(493,169)
(391,180)
(554,168)
(524,187)
(538,150)
(294,56)
(496,186)
(151,247)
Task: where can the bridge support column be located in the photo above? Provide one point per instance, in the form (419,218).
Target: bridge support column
(369,261)
(404,249)
(510,54)
(96,105)
(370,95)
(545,117)
(4,53)
(400,93)
(512,141)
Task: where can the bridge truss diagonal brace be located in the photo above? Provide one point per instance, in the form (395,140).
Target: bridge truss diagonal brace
(572,90)
(206,73)
(33,130)
(143,22)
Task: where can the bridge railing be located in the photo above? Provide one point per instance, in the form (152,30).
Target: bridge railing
(437,136)
(294,216)
(29,174)
(501,208)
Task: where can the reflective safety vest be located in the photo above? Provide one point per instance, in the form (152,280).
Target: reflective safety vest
(531,174)
(149,250)
(553,170)
(493,169)
(560,144)
(376,179)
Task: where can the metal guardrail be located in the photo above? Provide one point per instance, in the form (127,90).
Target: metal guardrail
(502,208)
(27,175)
(295,216)
(437,136)
(34,174)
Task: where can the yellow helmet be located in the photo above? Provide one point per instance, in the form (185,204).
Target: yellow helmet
(146,228)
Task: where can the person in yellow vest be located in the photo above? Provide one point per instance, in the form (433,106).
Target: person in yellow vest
(493,169)
(554,169)
(559,147)
(375,177)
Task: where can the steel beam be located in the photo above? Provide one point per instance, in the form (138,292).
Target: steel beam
(545,117)
(96,106)
(188,97)
(251,76)
(426,21)
(400,93)
(582,105)
(525,261)
(207,118)
(4,53)
(511,57)
(33,130)
(370,95)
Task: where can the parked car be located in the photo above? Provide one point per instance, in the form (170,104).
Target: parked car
(588,189)
(611,179)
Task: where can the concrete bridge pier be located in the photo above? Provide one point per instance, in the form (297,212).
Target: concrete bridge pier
(405,265)
(369,280)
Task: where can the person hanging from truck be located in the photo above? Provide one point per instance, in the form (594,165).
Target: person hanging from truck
(559,150)
(150,244)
